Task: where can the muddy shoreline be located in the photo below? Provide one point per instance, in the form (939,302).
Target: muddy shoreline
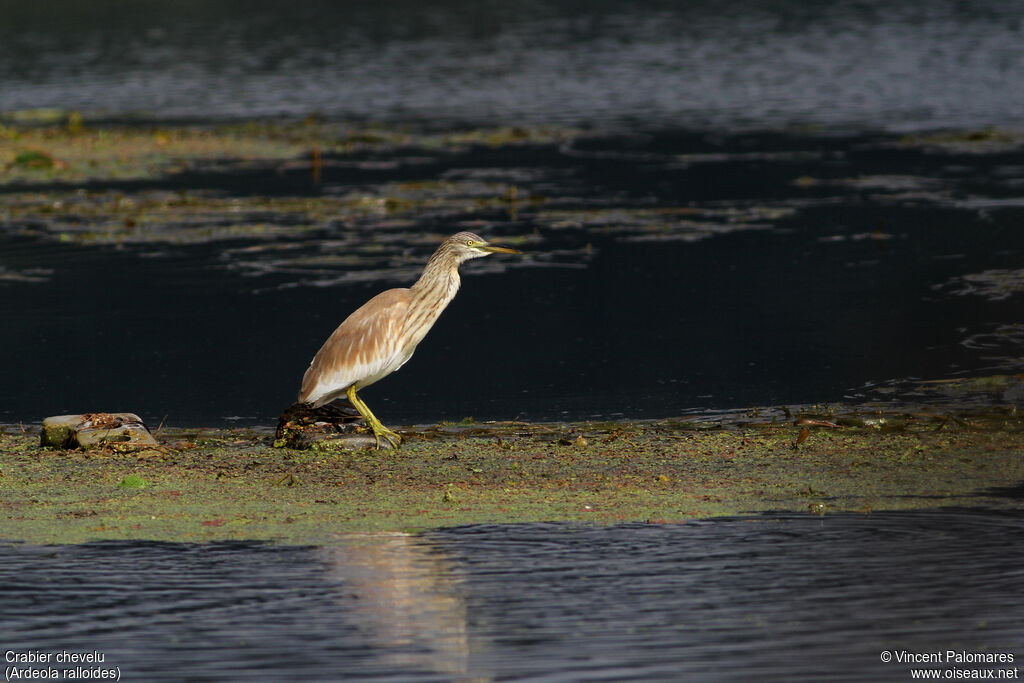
(215,484)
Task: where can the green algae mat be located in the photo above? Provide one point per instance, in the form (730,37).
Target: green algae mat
(203,485)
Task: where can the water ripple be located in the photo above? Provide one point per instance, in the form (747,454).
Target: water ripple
(774,597)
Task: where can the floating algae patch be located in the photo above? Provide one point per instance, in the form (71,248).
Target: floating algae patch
(314,241)
(77,152)
(304,198)
(687,224)
(1007,389)
(125,153)
(301,200)
(133,481)
(995,284)
(977,141)
(228,484)
(24,274)
(161,217)
(225,186)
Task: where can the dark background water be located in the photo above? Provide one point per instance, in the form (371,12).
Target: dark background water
(805,306)
(848,293)
(776,598)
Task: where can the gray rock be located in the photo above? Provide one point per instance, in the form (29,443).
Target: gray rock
(90,430)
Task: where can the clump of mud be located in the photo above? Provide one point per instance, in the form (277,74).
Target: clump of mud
(300,425)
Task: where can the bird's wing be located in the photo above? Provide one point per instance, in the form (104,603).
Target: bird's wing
(363,349)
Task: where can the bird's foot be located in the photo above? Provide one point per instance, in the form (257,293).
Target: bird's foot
(391,437)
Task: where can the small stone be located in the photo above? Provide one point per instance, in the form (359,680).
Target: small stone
(59,431)
(91,430)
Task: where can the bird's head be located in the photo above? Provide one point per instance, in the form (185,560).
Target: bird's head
(468,245)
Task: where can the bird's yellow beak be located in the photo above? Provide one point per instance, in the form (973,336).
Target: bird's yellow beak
(494,248)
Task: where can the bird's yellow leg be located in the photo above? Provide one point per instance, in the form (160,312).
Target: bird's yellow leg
(379,430)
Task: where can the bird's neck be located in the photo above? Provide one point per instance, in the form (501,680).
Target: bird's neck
(431,294)
(437,286)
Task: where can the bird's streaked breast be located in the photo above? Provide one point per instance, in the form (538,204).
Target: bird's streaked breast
(382,334)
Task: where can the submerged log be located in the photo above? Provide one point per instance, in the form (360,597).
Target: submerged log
(335,425)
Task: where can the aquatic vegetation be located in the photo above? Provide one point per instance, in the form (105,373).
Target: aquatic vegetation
(56,154)
(994,285)
(980,391)
(133,481)
(686,224)
(24,274)
(153,217)
(316,233)
(980,141)
(34,159)
(295,201)
(890,182)
(77,151)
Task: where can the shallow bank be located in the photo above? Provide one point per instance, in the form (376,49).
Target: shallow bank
(228,484)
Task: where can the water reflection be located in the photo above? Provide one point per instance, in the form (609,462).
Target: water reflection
(773,598)
(408,601)
(380,606)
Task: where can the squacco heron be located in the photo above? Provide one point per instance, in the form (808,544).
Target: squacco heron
(382,334)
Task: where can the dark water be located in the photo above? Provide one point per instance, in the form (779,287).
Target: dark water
(676,264)
(667,272)
(855,63)
(777,598)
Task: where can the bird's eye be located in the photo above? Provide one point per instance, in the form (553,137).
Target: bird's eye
(473,243)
